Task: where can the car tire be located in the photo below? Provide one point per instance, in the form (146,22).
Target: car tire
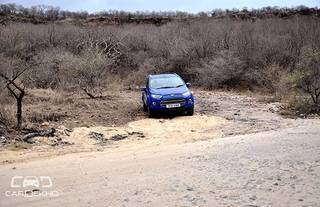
(145,108)
(190,111)
(151,113)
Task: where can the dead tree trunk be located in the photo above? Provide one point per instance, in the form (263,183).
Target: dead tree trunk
(18,92)
(19,110)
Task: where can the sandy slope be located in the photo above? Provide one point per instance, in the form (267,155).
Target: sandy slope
(276,168)
(141,133)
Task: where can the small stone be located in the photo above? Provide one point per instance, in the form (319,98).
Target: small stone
(45,125)
(189,189)
(253,198)
(68,130)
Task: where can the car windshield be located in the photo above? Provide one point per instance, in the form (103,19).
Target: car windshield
(166,82)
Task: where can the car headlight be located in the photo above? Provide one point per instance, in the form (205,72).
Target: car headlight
(186,94)
(156,96)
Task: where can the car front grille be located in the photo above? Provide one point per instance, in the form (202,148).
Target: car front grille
(172,101)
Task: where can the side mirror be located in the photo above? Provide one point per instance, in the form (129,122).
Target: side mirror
(143,88)
(188,85)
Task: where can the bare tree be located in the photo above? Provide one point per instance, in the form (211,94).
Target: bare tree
(307,78)
(18,91)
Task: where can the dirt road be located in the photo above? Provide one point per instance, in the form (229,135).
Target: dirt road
(275,168)
(235,151)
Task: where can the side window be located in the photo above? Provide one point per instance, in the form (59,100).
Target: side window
(147,82)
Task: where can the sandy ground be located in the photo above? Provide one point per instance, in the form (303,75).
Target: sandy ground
(275,168)
(138,134)
(218,114)
(235,151)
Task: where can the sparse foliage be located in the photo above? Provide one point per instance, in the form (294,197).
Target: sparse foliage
(307,78)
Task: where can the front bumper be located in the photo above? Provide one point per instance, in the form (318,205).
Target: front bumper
(161,104)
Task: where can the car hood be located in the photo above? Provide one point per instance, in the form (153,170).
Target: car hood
(167,91)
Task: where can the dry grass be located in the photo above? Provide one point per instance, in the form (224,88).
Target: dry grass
(7,115)
(76,109)
(297,104)
(40,117)
(115,107)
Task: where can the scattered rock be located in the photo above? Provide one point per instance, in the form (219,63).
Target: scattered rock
(3,140)
(293,177)
(139,134)
(97,136)
(61,143)
(253,198)
(189,189)
(42,133)
(118,137)
(68,130)
(45,125)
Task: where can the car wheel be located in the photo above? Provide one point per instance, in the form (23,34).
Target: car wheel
(145,108)
(151,113)
(190,111)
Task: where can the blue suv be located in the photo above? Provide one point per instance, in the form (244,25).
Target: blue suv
(167,92)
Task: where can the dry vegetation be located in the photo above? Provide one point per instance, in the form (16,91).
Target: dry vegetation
(279,56)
